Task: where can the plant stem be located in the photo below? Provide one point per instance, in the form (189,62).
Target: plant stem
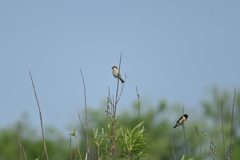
(232,120)
(85,99)
(185,141)
(45,148)
(78,147)
(223,132)
(98,152)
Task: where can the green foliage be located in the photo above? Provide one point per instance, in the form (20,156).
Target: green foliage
(133,143)
(183,157)
(31,141)
(131,137)
(75,136)
(98,139)
(74,132)
(212,109)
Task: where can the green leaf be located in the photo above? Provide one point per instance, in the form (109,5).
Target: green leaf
(139,125)
(74,132)
(95,132)
(86,156)
(183,157)
(102,131)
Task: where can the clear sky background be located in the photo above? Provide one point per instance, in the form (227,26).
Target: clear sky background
(172,50)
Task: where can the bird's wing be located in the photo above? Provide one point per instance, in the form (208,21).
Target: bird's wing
(180,120)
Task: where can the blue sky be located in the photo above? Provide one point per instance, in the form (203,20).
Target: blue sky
(171,50)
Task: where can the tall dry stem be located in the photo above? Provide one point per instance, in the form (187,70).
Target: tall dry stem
(185,136)
(85,99)
(44,143)
(223,131)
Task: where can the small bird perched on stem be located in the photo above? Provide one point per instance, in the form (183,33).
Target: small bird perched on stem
(116,73)
(181,121)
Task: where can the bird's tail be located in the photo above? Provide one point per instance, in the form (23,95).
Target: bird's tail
(175,126)
(122,80)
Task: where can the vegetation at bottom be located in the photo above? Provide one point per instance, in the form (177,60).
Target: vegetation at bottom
(152,138)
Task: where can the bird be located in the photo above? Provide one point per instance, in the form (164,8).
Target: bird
(182,120)
(138,96)
(117,74)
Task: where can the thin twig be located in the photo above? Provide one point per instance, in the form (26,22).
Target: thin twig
(185,136)
(198,134)
(229,152)
(201,148)
(116,100)
(110,137)
(22,149)
(223,131)
(109,112)
(138,106)
(78,147)
(45,148)
(82,125)
(88,149)
(172,146)
(232,120)
(109,102)
(42,154)
(115,109)
(122,89)
(201,142)
(212,148)
(185,141)
(70,148)
(194,145)
(112,109)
